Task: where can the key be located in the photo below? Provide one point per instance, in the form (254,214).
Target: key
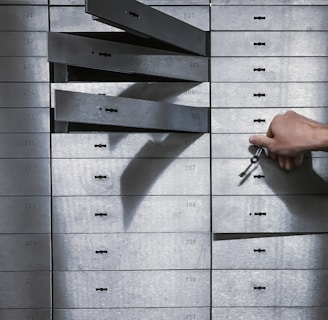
(254,160)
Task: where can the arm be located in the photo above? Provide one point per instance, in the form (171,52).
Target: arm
(291,135)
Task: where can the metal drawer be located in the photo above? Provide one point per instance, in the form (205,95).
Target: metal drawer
(25,215)
(131,177)
(268,2)
(126,289)
(131,251)
(131,214)
(149,2)
(263,214)
(25,314)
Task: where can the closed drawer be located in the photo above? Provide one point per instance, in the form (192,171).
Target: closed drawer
(148,2)
(24,252)
(131,214)
(24,120)
(263,214)
(268,69)
(25,215)
(29,314)
(269,95)
(24,177)
(131,177)
(276,288)
(134,251)
(268,179)
(131,145)
(270,17)
(27,69)
(287,252)
(267,43)
(267,2)
(128,289)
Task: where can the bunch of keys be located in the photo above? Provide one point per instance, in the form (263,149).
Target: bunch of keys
(254,160)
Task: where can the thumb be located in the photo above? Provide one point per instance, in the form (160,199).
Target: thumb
(260,141)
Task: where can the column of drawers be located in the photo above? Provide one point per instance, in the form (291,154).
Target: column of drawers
(268,57)
(25,274)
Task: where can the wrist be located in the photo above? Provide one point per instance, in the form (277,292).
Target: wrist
(321,138)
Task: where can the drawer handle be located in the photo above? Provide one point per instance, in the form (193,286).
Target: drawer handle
(260,214)
(259,120)
(259,288)
(103,54)
(101,251)
(101,289)
(259,43)
(259,95)
(132,14)
(259,250)
(259,18)
(101,214)
(109,109)
(259,176)
(100,177)
(100,145)
(259,69)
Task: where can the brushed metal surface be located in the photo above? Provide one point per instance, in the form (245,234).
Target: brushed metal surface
(256,120)
(148,2)
(24,252)
(24,215)
(25,314)
(24,120)
(264,214)
(268,179)
(31,145)
(24,177)
(288,95)
(268,2)
(128,289)
(131,251)
(130,145)
(287,252)
(25,290)
(282,69)
(133,314)
(269,313)
(192,94)
(27,69)
(281,44)
(20,44)
(130,177)
(23,18)
(283,288)
(284,18)
(131,214)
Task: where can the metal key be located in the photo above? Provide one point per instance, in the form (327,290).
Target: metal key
(253,160)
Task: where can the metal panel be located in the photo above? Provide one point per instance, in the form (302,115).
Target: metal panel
(283,288)
(134,251)
(148,2)
(130,145)
(25,215)
(20,44)
(131,177)
(131,289)
(269,313)
(268,2)
(269,43)
(288,252)
(25,145)
(24,18)
(256,120)
(27,69)
(268,179)
(140,18)
(131,214)
(125,58)
(24,177)
(270,18)
(259,214)
(288,95)
(132,314)
(24,120)
(24,290)
(25,314)
(267,69)
(24,252)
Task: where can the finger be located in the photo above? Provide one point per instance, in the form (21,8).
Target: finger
(260,141)
(289,163)
(281,162)
(273,156)
(298,160)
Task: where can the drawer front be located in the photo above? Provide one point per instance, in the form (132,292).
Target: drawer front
(268,179)
(131,145)
(24,177)
(270,18)
(266,2)
(24,252)
(131,177)
(24,120)
(25,290)
(268,69)
(269,95)
(134,251)
(278,288)
(148,2)
(25,314)
(287,252)
(127,289)
(279,44)
(112,214)
(263,214)
(25,215)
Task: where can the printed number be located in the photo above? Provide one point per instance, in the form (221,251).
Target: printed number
(190,167)
(190,241)
(30,205)
(191,279)
(31,243)
(194,65)
(30,168)
(190,316)
(28,66)
(29,41)
(28,15)
(29,143)
(195,116)
(189,15)
(190,204)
